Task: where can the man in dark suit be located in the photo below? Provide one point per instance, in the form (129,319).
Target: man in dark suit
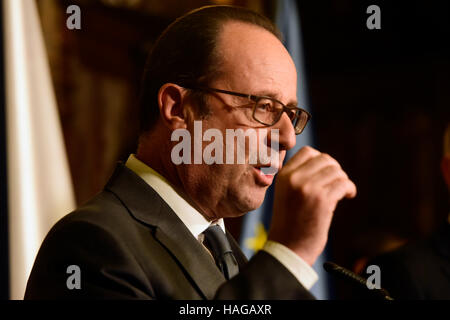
(156,231)
(421,270)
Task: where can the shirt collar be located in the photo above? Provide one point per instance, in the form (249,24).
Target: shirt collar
(191,217)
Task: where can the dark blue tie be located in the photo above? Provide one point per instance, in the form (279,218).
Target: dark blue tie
(217,242)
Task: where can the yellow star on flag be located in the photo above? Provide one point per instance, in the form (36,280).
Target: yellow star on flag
(257,242)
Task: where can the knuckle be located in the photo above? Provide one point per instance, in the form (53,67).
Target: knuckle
(341,182)
(332,169)
(327,158)
(312,192)
(351,185)
(343,174)
(292,179)
(305,189)
(345,185)
(309,151)
(289,179)
(320,197)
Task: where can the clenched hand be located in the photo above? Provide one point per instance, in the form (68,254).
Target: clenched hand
(307,191)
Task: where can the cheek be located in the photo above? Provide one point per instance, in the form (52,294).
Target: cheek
(234,173)
(219,120)
(228,178)
(221,176)
(242,179)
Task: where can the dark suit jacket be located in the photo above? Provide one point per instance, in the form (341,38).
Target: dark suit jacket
(129,244)
(419,270)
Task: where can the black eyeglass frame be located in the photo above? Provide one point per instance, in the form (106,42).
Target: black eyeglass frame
(255,98)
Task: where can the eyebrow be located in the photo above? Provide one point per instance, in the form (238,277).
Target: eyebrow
(271,94)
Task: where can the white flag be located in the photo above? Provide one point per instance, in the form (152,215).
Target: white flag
(39,185)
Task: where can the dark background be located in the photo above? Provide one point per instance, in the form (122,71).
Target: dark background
(380,101)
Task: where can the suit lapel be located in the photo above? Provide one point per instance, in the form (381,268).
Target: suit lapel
(193,257)
(149,208)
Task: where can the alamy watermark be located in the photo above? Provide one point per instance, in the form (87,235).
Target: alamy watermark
(231,149)
(74,20)
(74,280)
(374,20)
(374,281)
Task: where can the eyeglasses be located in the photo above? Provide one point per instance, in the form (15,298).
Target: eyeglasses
(267,110)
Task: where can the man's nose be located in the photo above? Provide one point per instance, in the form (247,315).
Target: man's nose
(287,139)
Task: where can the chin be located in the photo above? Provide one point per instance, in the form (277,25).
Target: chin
(252,200)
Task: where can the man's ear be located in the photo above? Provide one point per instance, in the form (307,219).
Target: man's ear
(170,102)
(445,168)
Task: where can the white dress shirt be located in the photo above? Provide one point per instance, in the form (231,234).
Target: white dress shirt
(196,222)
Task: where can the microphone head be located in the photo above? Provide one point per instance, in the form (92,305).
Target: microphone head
(347,275)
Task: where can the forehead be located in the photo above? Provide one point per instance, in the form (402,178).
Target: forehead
(254,61)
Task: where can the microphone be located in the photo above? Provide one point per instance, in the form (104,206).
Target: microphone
(345,274)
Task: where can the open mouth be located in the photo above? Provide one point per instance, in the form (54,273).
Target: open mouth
(262,178)
(267,170)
